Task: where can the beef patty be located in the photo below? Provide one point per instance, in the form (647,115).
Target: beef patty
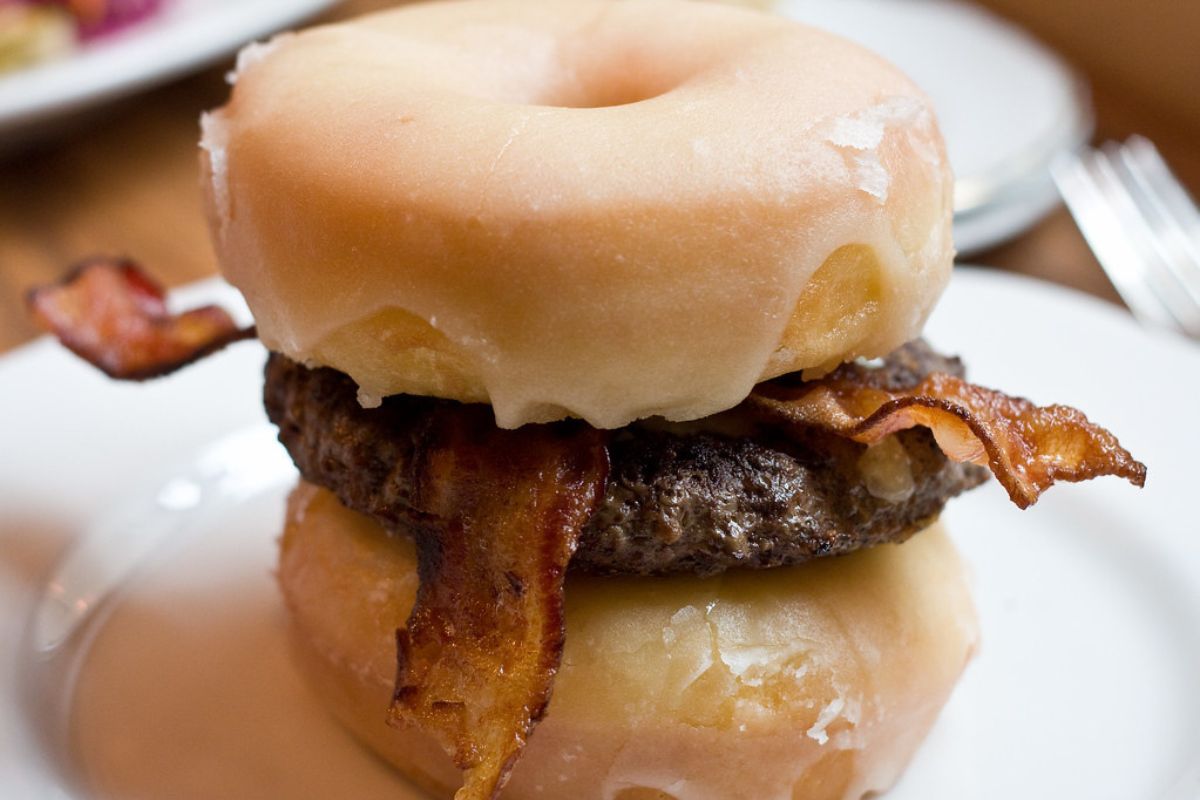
(695,498)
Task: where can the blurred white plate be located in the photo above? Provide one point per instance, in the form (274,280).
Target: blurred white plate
(1006,104)
(183,36)
(1086,685)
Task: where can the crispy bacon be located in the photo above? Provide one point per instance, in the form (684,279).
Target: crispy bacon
(114,316)
(1027,447)
(477,658)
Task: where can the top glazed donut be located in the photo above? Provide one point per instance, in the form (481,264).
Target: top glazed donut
(610,212)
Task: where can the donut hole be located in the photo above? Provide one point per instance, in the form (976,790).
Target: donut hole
(541,70)
(613,72)
(603,92)
(568,83)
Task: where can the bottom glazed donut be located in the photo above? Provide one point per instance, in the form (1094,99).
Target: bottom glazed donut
(815,682)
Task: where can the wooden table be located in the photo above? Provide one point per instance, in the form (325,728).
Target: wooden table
(126,183)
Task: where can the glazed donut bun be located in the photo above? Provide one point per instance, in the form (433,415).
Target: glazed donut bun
(801,683)
(607,209)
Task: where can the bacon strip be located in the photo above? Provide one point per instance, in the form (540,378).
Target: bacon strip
(1027,447)
(114,316)
(477,659)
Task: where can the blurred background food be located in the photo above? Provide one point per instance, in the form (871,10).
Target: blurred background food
(93,160)
(30,34)
(35,31)
(60,59)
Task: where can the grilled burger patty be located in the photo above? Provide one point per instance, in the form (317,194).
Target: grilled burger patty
(697,498)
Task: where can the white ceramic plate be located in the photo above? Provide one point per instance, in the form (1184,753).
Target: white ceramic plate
(183,36)
(154,665)
(1007,106)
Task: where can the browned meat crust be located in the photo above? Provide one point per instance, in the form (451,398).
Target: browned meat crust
(678,498)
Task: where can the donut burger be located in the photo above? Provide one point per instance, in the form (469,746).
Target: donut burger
(594,333)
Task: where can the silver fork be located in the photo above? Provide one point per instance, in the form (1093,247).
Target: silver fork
(1142,226)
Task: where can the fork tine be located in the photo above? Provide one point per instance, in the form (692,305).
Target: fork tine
(1178,215)
(1139,224)
(1168,188)
(1101,225)
(1151,185)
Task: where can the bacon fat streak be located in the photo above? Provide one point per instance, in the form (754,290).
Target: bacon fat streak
(477,658)
(1027,447)
(114,316)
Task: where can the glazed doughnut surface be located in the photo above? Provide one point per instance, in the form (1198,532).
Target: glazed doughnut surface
(595,208)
